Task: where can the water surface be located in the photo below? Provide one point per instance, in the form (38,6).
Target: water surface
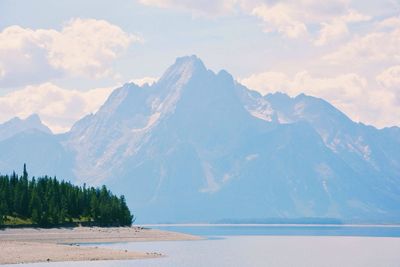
(283,229)
(265,245)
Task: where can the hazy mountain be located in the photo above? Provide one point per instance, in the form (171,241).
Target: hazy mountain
(198,146)
(30,141)
(16,125)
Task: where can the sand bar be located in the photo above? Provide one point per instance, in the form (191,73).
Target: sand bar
(62,244)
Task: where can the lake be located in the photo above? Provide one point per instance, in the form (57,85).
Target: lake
(266,245)
(282,229)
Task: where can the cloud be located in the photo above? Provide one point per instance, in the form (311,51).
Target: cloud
(350,92)
(337,28)
(199,7)
(281,18)
(290,18)
(267,82)
(83,47)
(333,30)
(354,16)
(88,46)
(23,57)
(392,22)
(346,85)
(58,108)
(293,18)
(376,46)
(390,77)
(2,72)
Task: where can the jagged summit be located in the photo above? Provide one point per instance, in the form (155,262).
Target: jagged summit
(186,59)
(34,119)
(182,70)
(187,64)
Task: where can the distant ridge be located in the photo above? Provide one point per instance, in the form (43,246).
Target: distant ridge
(307,220)
(17,125)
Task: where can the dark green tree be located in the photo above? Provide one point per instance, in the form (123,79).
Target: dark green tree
(47,201)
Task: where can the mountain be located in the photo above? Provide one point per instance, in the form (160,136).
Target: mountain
(30,141)
(363,147)
(197,146)
(16,125)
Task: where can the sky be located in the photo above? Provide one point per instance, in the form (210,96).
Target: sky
(61,59)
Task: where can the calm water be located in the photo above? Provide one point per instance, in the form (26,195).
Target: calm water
(259,246)
(284,230)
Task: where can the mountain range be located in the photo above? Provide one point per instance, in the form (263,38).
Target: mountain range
(197,146)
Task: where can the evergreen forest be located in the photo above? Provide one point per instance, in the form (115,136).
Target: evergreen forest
(46,201)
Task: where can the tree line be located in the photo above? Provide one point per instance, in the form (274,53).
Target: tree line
(45,201)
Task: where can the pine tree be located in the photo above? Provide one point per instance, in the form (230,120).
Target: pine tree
(36,208)
(1,218)
(25,172)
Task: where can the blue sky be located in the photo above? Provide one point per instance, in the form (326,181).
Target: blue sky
(61,59)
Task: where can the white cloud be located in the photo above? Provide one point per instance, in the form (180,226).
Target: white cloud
(290,18)
(198,7)
(88,46)
(293,18)
(144,80)
(58,108)
(23,57)
(350,92)
(331,31)
(2,72)
(315,10)
(337,28)
(354,16)
(346,85)
(267,82)
(83,47)
(390,77)
(282,18)
(392,22)
(376,46)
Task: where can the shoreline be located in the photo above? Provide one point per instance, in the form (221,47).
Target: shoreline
(32,245)
(269,225)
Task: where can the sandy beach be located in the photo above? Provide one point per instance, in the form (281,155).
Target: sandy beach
(62,244)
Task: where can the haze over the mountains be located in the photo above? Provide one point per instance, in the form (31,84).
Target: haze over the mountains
(197,146)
